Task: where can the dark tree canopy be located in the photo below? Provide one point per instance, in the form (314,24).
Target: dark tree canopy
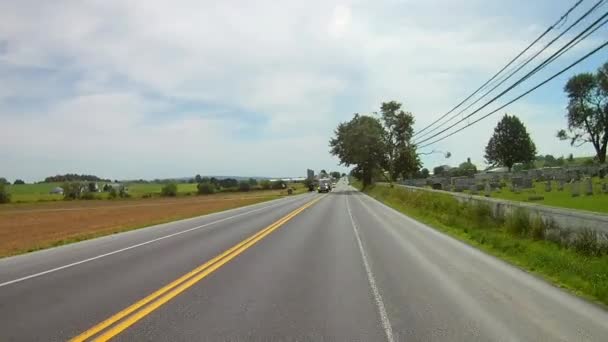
(588,111)
(360,142)
(378,146)
(18,182)
(510,144)
(402,159)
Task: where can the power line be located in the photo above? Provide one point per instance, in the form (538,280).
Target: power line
(573,42)
(524,94)
(518,68)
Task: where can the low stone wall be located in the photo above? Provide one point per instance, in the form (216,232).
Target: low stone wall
(564,218)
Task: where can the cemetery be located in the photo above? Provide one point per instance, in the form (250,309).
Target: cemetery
(579,187)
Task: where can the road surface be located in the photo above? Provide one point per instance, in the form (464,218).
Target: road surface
(314,267)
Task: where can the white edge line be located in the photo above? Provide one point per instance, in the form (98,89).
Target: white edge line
(386,324)
(35,275)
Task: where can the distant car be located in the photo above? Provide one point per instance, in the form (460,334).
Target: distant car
(324,187)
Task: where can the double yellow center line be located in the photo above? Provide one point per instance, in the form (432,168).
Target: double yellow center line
(130,315)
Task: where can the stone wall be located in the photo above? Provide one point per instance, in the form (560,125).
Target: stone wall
(563,217)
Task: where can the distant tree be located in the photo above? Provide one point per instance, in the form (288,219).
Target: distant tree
(123,192)
(309,184)
(4,181)
(198,179)
(169,190)
(72,190)
(588,111)
(510,144)
(323,174)
(253,181)
(560,161)
(213,181)
(72,177)
(18,182)
(401,157)
(92,187)
(550,160)
(439,171)
(206,188)
(343,174)
(265,184)
(112,193)
(5,196)
(466,168)
(278,185)
(423,173)
(244,186)
(228,183)
(335,174)
(570,158)
(107,187)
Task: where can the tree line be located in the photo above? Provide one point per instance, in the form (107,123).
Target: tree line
(73,177)
(379,146)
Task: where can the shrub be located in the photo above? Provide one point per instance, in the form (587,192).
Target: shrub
(87,195)
(5,196)
(244,186)
(19,182)
(206,188)
(169,190)
(71,190)
(518,223)
(122,192)
(112,193)
(537,228)
(586,242)
(265,184)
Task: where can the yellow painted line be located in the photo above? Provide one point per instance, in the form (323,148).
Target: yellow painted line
(179,285)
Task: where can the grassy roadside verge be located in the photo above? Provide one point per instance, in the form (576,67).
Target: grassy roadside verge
(575,261)
(25,243)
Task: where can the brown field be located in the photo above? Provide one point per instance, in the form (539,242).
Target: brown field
(29,227)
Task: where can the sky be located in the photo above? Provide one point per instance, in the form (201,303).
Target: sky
(160,89)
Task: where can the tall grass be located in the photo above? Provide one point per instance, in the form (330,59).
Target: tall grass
(575,260)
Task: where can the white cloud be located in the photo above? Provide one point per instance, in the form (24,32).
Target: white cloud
(124,70)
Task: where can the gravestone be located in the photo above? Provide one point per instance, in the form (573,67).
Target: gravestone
(527,183)
(588,186)
(548,186)
(560,184)
(516,183)
(473,189)
(575,188)
(487,190)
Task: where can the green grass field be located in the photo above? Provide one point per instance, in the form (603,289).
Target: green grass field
(597,203)
(27,193)
(566,267)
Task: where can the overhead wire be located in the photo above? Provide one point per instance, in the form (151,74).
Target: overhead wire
(562,19)
(521,66)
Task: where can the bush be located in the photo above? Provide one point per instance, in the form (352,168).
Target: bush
(112,193)
(169,190)
(518,223)
(538,228)
(244,186)
(278,185)
(5,196)
(19,182)
(122,192)
(586,242)
(206,188)
(265,184)
(87,195)
(72,190)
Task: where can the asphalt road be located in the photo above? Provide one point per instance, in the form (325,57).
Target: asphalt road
(313,267)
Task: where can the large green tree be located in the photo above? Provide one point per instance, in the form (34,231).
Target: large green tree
(510,143)
(378,146)
(402,160)
(588,111)
(360,142)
